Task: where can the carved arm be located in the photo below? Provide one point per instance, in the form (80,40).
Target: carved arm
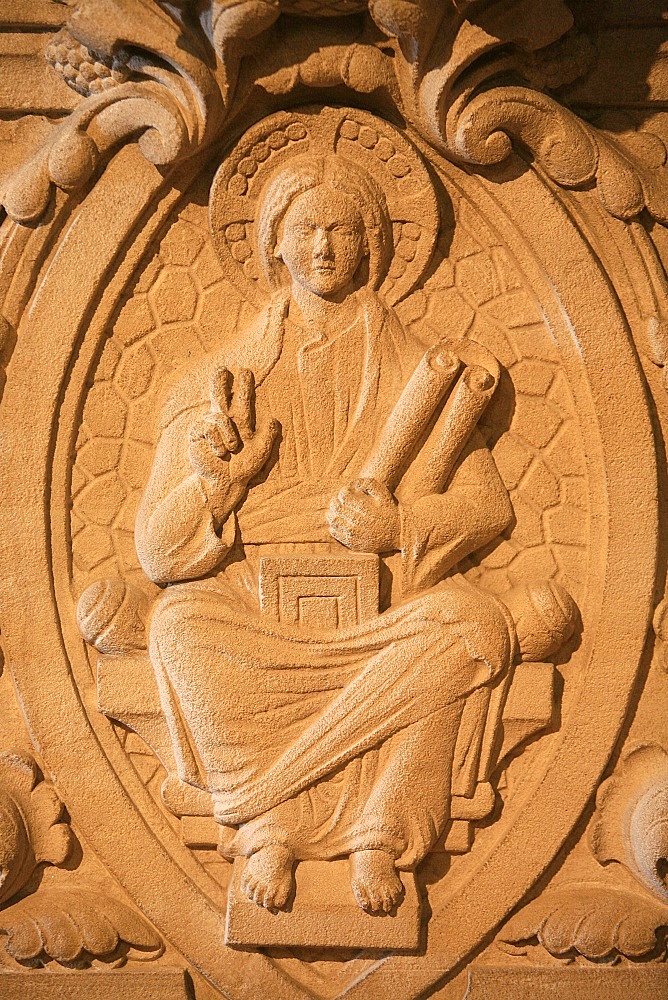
(439,530)
(179,534)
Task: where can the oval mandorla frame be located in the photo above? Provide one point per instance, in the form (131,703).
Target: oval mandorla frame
(64,283)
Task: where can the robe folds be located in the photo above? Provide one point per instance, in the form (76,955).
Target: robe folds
(276,709)
(328,742)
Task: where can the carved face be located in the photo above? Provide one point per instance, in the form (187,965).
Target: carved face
(322,243)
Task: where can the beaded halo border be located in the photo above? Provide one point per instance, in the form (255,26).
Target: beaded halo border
(375,145)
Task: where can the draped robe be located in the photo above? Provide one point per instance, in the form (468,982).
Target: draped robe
(326,742)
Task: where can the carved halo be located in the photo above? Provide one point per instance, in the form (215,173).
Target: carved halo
(374,145)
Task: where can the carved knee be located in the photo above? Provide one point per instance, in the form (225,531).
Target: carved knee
(112,616)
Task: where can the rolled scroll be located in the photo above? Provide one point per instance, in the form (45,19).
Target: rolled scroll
(411,415)
(461,413)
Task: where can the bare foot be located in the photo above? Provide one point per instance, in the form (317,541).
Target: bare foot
(375,882)
(268,879)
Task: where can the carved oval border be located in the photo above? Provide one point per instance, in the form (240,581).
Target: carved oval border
(590,330)
(124,210)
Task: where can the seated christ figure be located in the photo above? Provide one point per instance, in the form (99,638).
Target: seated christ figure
(320,742)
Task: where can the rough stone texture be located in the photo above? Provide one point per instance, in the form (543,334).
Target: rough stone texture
(333,342)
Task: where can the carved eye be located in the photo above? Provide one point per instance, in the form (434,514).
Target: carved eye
(344,229)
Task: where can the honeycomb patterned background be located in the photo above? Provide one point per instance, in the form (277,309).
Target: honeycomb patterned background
(183,306)
(477,292)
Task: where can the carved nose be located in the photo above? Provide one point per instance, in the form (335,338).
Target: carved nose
(323,246)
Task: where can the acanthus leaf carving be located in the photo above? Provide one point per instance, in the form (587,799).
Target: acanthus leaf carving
(631,823)
(454,97)
(31,826)
(590,920)
(166,75)
(628,169)
(76,927)
(140,81)
(611,917)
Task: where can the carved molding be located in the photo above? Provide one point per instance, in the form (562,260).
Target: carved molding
(171,76)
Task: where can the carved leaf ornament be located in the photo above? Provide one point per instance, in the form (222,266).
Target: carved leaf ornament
(167,285)
(600,920)
(31,831)
(76,927)
(629,170)
(592,920)
(158,91)
(631,822)
(139,81)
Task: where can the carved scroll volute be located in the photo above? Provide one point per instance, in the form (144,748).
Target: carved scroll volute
(31,830)
(631,825)
(629,170)
(141,74)
(447,52)
(448,63)
(166,75)
(147,71)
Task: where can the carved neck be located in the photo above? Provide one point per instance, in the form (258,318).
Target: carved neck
(323,314)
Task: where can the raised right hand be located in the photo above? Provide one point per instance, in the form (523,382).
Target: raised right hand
(226,447)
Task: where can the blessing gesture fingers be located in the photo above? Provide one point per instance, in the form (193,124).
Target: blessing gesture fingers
(227,445)
(365,517)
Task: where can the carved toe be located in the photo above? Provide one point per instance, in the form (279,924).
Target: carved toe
(375,882)
(268,879)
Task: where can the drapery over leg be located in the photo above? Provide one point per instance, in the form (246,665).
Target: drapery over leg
(395,800)
(237,675)
(409,805)
(399,686)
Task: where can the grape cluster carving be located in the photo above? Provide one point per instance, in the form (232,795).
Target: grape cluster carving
(84,71)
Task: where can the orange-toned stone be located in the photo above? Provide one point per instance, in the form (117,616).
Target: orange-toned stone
(333,351)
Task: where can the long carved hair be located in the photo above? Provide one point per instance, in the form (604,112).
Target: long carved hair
(338,174)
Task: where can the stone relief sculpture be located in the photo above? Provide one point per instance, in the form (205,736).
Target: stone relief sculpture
(321,431)
(325,517)
(301,452)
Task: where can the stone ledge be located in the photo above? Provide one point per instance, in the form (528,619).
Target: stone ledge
(324,914)
(158,984)
(559,983)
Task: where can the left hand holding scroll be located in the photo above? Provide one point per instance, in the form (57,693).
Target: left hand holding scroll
(365,517)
